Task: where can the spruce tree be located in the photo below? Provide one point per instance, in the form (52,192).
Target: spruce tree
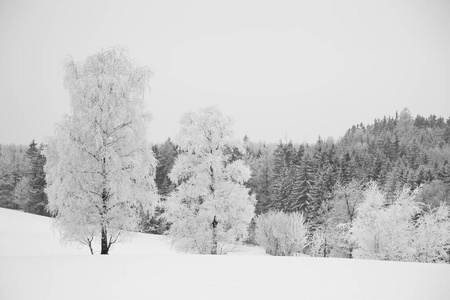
(346,172)
(283,176)
(38,202)
(301,198)
(261,176)
(444,173)
(321,191)
(165,155)
(29,192)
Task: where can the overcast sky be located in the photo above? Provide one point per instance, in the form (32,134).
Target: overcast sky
(281,69)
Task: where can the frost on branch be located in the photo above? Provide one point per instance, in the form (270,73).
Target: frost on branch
(100,168)
(209,186)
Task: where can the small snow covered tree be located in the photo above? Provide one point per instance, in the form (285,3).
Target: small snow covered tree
(22,193)
(100,168)
(385,230)
(338,220)
(432,235)
(210,206)
(318,243)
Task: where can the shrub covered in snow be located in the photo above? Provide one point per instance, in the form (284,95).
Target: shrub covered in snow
(280,233)
(401,230)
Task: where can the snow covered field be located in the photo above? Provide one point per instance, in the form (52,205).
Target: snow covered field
(34,265)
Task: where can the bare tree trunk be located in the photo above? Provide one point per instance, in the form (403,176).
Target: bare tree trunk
(104,240)
(105,247)
(214,236)
(325,248)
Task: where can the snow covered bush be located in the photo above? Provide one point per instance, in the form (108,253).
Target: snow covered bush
(281,233)
(210,207)
(385,230)
(100,167)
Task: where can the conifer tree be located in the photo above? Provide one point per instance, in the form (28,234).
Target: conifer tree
(283,176)
(384,171)
(261,176)
(301,197)
(165,155)
(38,197)
(321,191)
(346,172)
(444,173)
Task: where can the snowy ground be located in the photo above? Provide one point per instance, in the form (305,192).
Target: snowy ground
(34,265)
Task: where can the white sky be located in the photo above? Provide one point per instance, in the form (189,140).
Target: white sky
(295,69)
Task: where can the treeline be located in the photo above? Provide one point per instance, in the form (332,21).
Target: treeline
(393,152)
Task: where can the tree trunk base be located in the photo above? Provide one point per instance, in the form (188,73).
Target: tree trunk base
(105,248)
(214,236)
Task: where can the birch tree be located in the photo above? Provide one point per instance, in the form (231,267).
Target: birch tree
(100,168)
(210,206)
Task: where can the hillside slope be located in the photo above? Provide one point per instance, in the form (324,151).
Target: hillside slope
(23,234)
(33,265)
